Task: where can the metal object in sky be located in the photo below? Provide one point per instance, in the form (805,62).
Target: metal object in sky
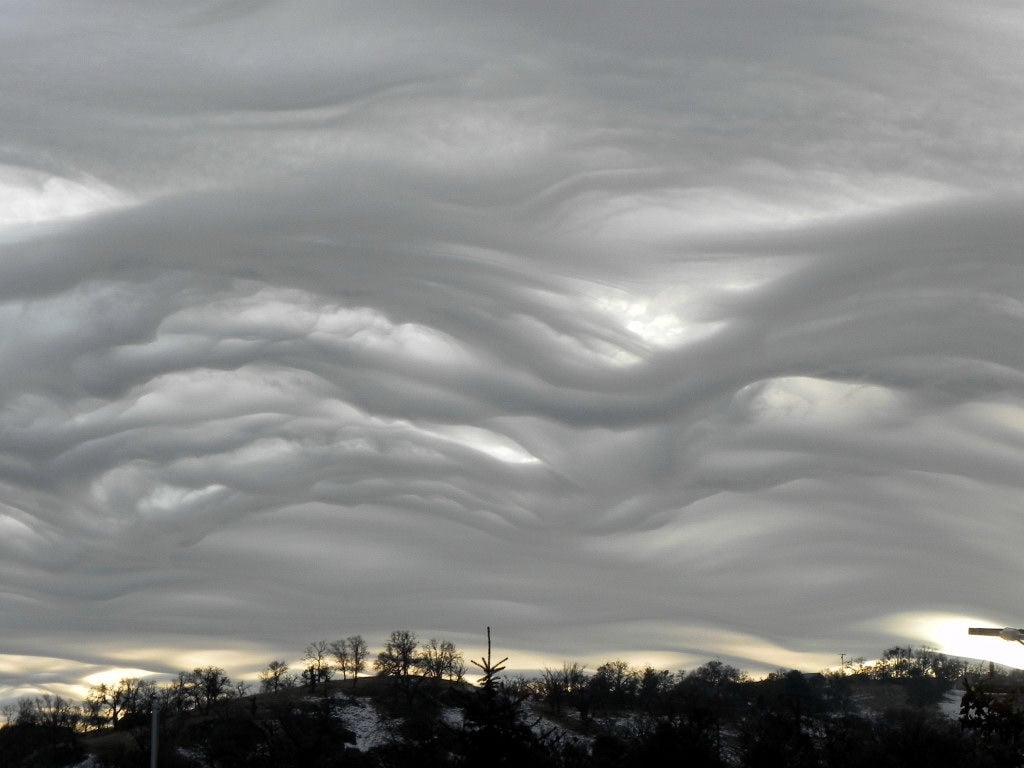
(1006,633)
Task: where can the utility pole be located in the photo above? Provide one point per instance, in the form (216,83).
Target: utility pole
(154,731)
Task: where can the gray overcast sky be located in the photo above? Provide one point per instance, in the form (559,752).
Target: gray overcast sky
(661,331)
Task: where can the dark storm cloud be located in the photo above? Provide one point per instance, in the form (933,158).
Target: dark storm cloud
(676,333)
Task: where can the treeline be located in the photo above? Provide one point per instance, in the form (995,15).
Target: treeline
(566,717)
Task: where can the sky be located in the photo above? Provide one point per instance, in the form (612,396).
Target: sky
(662,331)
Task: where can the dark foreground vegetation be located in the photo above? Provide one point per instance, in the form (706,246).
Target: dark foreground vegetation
(425,714)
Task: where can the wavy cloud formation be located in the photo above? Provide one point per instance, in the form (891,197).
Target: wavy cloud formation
(667,334)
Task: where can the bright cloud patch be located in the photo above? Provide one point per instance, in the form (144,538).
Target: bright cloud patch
(32,197)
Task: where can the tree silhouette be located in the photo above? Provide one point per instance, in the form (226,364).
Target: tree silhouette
(318,669)
(495,732)
(350,656)
(127,698)
(397,661)
(399,655)
(440,660)
(274,676)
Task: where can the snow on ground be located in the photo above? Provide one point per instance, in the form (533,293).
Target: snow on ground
(370,727)
(453,717)
(551,731)
(950,705)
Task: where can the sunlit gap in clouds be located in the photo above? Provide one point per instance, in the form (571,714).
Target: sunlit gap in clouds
(492,444)
(656,325)
(73,679)
(29,196)
(822,401)
(660,318)
(64,677)
(112,675)
(243,663)
(162,663)
(947,633)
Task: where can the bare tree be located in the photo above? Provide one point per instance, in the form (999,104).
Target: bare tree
(179,695)
(552,689)
(274,676)
(614,684)
(240,690)
(440,660)
(54,720)
(576,681)
(318,664)
(654,689)
(47,711)
(350,656)
(397,661)
(113,703)
(209,685)
(565,685)
(10,712)
(358,653)
(339,649)
(399,655)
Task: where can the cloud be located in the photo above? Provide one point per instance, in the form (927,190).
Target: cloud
(693,334)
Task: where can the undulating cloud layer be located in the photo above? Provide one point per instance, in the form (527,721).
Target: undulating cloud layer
(661,331)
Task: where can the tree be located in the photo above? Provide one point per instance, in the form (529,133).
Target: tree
(717,674)
(350,656)
(113,703)
(896,662)
(55,712)
(179,695)
(614,685)
(654,690)
(397,661)
(399,655)
(274,676)
(661,742)
(940,666)
(198,690)
(41,731)
(209,685)
(567,685)
(339,649)
(239,690)
(575,684)
(773,737)
(551,689)
(708,696)
(494,732)
(440,660)
(358,653)
(318,666)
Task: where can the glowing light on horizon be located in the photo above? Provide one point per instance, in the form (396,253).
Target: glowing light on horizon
(114,674)
(947,633)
